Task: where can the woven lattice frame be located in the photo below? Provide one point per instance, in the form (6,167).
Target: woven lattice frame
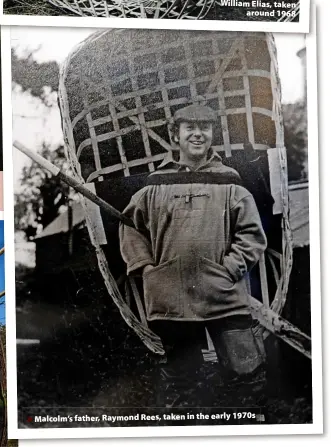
(139,88)
(173,9)
(134,87)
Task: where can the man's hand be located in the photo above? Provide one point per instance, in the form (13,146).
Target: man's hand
(147,268)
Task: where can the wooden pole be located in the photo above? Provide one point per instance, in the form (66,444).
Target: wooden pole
(74,184)
(281,328)
(151,340)
(266,316)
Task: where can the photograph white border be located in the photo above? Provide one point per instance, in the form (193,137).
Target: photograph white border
(315,428)
(136,23)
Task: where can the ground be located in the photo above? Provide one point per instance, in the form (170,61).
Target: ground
(88,357)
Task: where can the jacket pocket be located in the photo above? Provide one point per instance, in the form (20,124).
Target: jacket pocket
(162,290)
(218,290)
(218,276)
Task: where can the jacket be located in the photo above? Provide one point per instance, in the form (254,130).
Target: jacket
(202,234)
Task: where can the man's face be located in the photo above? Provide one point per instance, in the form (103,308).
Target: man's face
(195,139)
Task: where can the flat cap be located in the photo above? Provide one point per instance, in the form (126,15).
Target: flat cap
(195,113)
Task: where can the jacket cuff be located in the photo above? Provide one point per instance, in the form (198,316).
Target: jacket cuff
(234,273)
(139,265)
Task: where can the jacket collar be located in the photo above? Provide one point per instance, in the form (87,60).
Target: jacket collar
(170,160)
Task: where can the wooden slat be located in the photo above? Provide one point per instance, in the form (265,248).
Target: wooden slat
(274,253)
(136,9)
(151,133)
(209,356)
(210,343)
(219,74)
(142,10)
(276,325)
(175,84)
(164,92)
(186,82)
(190,70)
(177,101)
(93,136)
(156,123)
(181,82)
(118,167)
(221,102)
(141,116)
(158,139)
(103,119)
(240,147)
(282,328)
(92,8)
(159,157)
(242,111)
(94,142)
(274,269)
(105,137)
(157,10)
(178,83)
(138,301)
(264,281)
(106,8)
(248,102)
(119,141)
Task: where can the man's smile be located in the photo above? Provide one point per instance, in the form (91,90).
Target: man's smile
(194,140)
(197,143)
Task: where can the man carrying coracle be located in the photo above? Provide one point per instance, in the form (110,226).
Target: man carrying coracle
(198,234)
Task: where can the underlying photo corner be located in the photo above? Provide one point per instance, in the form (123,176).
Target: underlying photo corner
(226,15)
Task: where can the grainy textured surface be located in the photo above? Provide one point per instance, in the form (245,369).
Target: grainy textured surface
(116,114)
(176,9)
(88,355)
(33,7)
(123,87)
(130,8)
(90,358)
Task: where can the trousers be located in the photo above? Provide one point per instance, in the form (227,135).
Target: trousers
(240,354)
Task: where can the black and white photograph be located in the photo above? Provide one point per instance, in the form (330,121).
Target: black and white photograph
(229,15)
(161,226)
(161,9)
